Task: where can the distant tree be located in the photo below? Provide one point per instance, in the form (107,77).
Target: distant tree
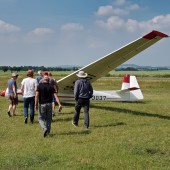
(4,68)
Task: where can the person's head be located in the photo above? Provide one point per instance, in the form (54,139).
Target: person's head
(30,73)
(81,74)
(40,72)
(14,75)
(45,73)
(45,77)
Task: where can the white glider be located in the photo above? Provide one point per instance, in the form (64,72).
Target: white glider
(130,89)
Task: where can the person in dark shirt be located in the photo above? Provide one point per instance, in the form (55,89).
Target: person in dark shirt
(12,94)
(44,95)
(83,91)
(54,83)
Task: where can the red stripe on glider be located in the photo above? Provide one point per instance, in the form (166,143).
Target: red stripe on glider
(153,34)
(126,78)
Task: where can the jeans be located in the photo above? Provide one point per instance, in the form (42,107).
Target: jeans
(29,101)
(79,104)
(45,116)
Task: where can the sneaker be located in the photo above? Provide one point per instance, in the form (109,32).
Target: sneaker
(45,133)
(75,124)
(9,114)
(26,120)
(32,121)
(86,128)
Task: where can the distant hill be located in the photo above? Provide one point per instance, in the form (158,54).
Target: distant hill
(69,66)
(123,66)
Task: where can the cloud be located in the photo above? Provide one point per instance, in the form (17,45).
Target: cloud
(109,10)
(113,10)
(39,35)
(112,23)
(115,23)
(72,27)
(41,31)
(105,10)
(6,27)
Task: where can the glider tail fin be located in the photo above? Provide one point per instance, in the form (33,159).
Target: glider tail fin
(126,82)
(130,84)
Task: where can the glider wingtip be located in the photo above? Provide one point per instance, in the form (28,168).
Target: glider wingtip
(155,33)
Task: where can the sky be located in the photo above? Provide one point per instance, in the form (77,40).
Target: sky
(77,32)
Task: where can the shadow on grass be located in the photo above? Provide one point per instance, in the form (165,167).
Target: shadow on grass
(68,119)
(120,110)
(111,124)
(82,132)
(128,111)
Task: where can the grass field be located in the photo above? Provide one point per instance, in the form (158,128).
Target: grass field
(122,136)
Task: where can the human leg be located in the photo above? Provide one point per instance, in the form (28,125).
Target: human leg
(86,113)
(53,106)
(42,116)
(26,105)
(32,105)
(10,97)
(9,110)
(15,102)
(13,109)
(48,117)
(78,106)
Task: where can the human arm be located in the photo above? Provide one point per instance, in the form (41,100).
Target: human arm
(22,86)
(58,101)
(91,90)
(54,83)
(76,91)
(14,88)
(36,100)
(56,86)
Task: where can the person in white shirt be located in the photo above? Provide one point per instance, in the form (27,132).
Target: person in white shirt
(28,88)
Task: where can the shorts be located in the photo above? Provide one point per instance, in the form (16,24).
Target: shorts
(54,100)
(13,100)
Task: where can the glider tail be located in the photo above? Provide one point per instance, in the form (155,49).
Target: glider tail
(130,84)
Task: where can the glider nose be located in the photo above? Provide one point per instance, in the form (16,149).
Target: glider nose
(2,93)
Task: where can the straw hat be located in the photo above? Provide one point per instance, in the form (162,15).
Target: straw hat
(14,75)
(82,74)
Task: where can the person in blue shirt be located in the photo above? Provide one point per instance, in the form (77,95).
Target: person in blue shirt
(12,95)
(40,76)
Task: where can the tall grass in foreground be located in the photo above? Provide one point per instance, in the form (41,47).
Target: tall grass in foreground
(122,135)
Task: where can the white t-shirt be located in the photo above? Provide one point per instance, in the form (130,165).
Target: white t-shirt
(30,85)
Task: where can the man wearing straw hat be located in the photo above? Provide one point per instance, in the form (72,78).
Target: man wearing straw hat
(83,91)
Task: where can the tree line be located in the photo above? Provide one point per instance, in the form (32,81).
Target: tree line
(35,68)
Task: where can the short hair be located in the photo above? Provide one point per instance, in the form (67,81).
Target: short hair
(39,72)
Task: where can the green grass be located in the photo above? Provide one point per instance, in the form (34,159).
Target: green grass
(121,135)
(140,74)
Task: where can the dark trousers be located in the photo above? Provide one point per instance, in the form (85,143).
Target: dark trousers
(79,104)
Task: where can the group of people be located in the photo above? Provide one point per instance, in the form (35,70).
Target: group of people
(41,94)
